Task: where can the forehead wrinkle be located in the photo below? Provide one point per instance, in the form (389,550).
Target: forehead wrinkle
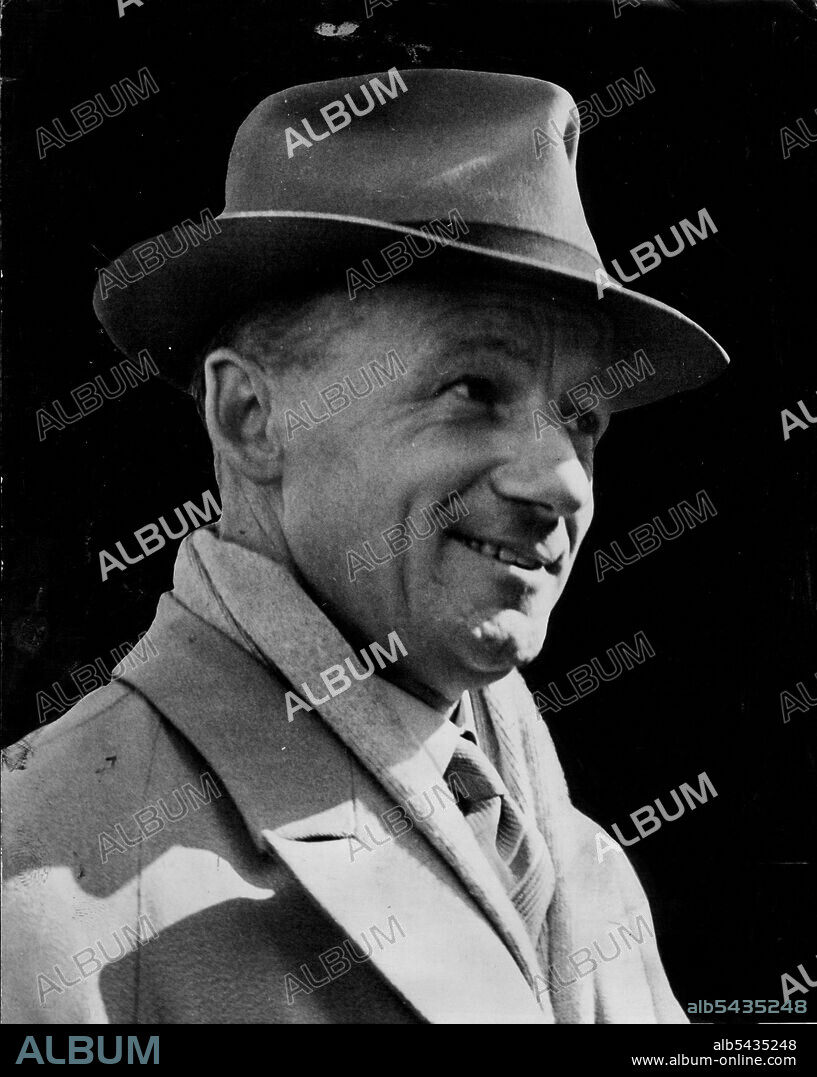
(511,331)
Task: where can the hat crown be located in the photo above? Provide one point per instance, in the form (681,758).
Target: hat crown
(413,145)
(323,183)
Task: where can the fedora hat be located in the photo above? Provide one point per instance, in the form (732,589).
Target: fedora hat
(351,182)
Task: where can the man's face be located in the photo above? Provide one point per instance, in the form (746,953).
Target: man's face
(472,599)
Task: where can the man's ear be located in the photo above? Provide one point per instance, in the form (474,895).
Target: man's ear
(238,408)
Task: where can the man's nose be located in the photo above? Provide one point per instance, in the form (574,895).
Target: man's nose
(545,471)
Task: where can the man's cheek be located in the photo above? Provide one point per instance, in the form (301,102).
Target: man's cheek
(578,532)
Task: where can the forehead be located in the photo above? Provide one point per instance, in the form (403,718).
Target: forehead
(517,318)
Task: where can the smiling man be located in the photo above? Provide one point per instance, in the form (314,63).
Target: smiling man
(470,602)
(399,847)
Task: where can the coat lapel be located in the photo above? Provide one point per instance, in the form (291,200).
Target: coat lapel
(445,960)
(300,781)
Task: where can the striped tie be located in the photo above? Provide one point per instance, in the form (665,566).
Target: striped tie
(509,839)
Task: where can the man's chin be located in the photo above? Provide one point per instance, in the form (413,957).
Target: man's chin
(504,642)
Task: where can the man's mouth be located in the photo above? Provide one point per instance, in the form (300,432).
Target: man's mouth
(508,555)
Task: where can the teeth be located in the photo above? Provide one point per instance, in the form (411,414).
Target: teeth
(500,553)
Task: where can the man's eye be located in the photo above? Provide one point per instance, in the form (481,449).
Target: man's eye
(471,388)
(588,424)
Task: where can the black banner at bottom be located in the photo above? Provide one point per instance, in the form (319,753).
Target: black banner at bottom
(636,1047)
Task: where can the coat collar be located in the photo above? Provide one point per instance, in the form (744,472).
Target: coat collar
(302,780)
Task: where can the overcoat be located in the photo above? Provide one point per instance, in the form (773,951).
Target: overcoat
(174,854)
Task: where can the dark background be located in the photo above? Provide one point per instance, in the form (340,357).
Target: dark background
(729,607)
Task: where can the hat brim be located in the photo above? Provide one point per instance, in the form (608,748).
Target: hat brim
(174,311)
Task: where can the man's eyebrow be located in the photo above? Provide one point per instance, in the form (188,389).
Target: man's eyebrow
(477,341)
